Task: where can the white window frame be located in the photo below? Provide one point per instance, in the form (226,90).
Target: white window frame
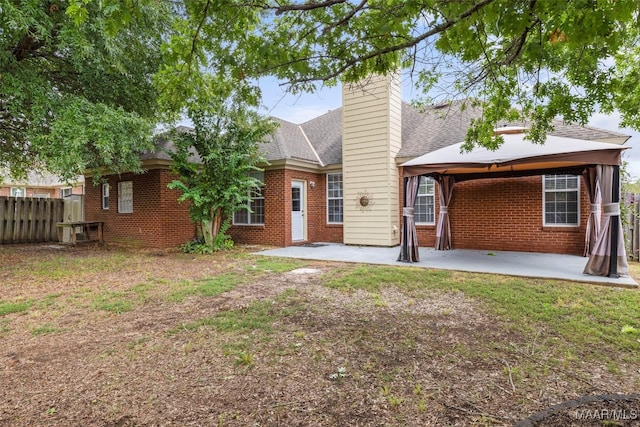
(566,190)
(66,192)
(424,181)
(14,190)
(125,197)
(256,197)
(105,196)
(334,197)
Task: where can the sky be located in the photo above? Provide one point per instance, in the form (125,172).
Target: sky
(300,108)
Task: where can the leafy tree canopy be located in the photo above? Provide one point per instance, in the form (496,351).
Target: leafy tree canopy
(519,59)
(80,81)
(76,87)
(214,163)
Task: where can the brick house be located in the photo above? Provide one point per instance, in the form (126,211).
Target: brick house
(337,178)
(40,185)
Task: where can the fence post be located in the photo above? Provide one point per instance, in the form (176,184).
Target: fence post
(635,238)
(3,214)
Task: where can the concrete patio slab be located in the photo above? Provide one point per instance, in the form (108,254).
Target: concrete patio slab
(525,264)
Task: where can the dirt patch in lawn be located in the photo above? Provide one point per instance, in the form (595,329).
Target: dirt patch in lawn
(115,337)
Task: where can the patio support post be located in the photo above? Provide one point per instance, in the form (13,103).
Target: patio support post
(409,249)
(615,221)
(590,178)
(404,250)
(443,230)
(608,257)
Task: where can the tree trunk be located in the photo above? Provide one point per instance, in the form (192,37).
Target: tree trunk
(207,232)
(217,222)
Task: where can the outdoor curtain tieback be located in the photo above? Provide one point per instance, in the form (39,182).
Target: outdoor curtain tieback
(408,212)
(595,207)
(443,209)
(611,209)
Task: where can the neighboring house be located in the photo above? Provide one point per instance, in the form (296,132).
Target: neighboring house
(40,185)
(337,178)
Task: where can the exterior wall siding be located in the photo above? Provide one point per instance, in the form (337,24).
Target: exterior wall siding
(371,140)
(158,220)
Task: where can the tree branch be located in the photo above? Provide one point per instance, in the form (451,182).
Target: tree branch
(347,18)
(394,48)
(307,6)
(197,34)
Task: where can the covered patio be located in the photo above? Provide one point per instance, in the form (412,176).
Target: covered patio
(597,162)
(525,264)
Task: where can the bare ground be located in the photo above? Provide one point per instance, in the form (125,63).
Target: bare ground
(316,356)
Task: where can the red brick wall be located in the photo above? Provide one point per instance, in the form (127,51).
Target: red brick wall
(506,214)
(495,214)
(271,232)
(276,230)
(158,220)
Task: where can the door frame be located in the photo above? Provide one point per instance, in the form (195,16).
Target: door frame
(302,184)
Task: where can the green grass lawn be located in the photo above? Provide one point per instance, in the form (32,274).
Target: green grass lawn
(474,349)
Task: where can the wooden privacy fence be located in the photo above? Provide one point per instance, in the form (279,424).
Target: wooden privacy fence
(632,225)
(27,220)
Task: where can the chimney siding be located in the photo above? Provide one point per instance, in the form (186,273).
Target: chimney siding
(371,124)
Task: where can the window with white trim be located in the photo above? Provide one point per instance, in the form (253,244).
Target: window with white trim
(66,192)
(254,213)
(334,198)
(18,192)
(561,204)
(125,197)
(105,196)
(425,206)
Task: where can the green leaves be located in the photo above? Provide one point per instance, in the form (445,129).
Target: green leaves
(547,58)
(132,63)
(76,89)
(214,161)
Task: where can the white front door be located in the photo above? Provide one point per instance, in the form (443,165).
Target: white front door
(297,210)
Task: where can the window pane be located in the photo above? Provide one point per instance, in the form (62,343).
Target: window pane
(241,216)
(257,216)
(254,215)
(125,197)
(335,211)
(105,196)
(295,199)
(334,198)
(561,200)
(424,208)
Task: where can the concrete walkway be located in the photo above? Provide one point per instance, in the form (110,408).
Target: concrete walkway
(526,264)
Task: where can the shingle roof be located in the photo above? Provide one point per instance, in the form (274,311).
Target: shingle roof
(435,127)
(319,140)
(288,142)
(425,130)
(325,134)
(164,145)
